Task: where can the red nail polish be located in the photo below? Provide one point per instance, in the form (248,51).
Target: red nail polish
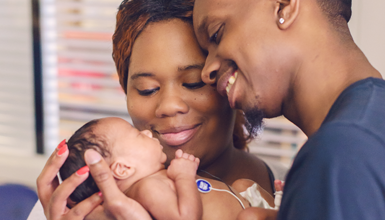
(62,143)
(100,194)
(83,170)
(62,150)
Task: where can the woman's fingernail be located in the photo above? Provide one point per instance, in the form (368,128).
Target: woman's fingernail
(100,194)
(92,157)
(83,170)
(62,150)
(62,143)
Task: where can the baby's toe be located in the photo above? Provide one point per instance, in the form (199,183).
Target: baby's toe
(186,155)
(178,153)
(191,157)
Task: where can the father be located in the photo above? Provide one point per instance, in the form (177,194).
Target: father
(297,58)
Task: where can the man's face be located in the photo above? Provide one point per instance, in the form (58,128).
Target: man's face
(245,57)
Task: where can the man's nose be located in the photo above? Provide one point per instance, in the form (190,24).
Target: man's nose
(209,72)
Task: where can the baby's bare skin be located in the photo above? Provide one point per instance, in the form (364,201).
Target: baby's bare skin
(176,180)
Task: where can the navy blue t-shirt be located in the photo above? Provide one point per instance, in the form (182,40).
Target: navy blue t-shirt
(340,171)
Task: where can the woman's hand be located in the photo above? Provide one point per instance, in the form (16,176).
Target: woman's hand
(53,196)
(116,204)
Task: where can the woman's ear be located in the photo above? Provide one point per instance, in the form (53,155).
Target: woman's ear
(121,170)
(286,12)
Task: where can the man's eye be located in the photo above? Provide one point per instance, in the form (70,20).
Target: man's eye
(196,85)
(147,92)
(214,37)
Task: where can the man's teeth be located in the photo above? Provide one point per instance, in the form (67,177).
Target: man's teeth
(231,82)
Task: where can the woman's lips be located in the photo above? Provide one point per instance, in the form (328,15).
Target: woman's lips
(177,136)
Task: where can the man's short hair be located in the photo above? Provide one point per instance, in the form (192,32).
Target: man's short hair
(336,10)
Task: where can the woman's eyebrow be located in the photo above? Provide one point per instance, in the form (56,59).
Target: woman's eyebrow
(189,67)
(137,75)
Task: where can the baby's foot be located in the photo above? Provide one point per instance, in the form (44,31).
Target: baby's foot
(180,154)
(183,165)
(278,184)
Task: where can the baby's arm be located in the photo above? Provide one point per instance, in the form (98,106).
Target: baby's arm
(182,171)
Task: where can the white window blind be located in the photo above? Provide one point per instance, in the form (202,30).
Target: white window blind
(81,64)
(280,140)
(17,119)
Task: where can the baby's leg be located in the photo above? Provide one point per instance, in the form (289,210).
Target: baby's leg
(183,170)
(278,184)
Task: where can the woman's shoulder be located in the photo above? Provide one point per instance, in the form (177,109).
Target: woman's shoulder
(249,166)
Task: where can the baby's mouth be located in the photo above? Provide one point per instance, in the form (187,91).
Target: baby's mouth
(231,82)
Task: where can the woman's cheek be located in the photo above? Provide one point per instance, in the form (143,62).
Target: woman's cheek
(139,113)
(210,101)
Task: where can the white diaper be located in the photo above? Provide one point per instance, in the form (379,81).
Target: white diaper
(256,200)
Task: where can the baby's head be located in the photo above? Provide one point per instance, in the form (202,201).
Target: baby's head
(130,153)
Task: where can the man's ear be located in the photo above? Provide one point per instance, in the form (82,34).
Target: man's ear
(286,12)
(121,170)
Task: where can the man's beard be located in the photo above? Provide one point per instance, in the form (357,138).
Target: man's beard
(254,121)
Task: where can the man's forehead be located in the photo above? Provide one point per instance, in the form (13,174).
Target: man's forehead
(209,7)
(207,10)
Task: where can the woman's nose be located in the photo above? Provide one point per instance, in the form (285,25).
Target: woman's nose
(209,71)
(171,105)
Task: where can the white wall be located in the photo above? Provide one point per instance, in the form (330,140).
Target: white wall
(368,29)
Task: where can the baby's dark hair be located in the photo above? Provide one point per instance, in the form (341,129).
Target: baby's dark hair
(84,138)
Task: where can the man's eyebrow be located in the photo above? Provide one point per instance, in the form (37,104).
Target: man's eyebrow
(140,74)
(189,67)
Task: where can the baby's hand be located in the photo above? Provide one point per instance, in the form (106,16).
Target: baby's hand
(184,165)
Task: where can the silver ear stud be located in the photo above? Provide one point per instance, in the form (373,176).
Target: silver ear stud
(281,20)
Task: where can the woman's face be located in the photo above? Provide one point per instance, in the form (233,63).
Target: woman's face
(166,95)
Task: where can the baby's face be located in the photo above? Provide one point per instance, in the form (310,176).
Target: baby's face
(138,147)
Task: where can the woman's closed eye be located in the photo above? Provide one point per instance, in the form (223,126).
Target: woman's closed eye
(195,85)
(147,92)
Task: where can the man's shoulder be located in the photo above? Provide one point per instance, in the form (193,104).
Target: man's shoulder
(339,164)
(339,147)
(344,140)
(362,103)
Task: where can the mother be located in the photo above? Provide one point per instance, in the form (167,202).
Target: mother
(159,63)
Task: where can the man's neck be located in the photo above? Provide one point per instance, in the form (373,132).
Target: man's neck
(320,80)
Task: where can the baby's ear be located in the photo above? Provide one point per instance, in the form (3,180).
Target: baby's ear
(121,170)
